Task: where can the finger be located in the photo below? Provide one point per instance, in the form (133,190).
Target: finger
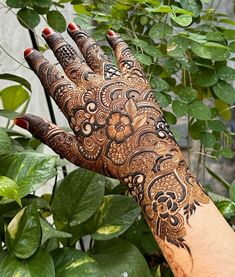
(61,89)
(64,144)
(74,66)
(128,65)
(93,54)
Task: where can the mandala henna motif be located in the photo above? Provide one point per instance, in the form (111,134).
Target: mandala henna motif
(119,129)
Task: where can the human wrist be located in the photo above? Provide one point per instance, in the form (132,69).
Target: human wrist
(167,192)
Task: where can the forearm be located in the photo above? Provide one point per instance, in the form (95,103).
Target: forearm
(191,232)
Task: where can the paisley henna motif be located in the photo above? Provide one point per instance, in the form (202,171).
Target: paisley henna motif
(119,129)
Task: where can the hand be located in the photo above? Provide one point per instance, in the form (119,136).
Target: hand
(119,129)
(111,111)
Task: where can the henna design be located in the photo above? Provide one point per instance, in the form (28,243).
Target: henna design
(120,130)
(119,127)
(135,184)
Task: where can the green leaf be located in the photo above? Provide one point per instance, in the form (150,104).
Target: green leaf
(143,20)
(160,9)
(5,145)
(73,263)
(179,108)
(15,78)
(140,43)
(23,234)
(208,140)
(207,78)
(115,258)
(187,94)
(177,133)
(42,3)
(162,99)
(143,58)
(225,92)
(196,37)
(170,117)
(159,30)
(177,46)
(9,115)
(114,216)
(49,232)
(77,198)
(119,257)
(56,20)
(227,208)
(183,20)
(84,21)
(140,235)
(196,128)
(28,18)
(195,6)
(216,125)
(40,10)
(227,21)
(224,109)
(17,3)
(227,153)
(214,36)
(229,34)
(153,51)
(159,84)
(226,73)
(30,170)
(13,97)
(9,189)
(199,110)
(39,265)
(80,9)
(232,46)
(211,50)
(232,191)
(168,9)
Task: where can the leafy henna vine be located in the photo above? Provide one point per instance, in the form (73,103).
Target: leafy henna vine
(119,129)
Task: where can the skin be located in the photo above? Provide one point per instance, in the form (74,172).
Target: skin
(120,131)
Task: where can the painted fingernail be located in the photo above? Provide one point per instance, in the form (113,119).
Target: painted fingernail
(72,26)
(48,31)
(28,51)
(21,123)
(111,33)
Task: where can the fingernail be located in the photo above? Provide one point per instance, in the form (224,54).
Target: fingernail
(48,31)
(111,33)
(27,51)
(21,123)
(72,26)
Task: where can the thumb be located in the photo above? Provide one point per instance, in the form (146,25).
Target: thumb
(61,142)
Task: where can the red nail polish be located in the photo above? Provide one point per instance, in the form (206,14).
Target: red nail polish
(21,123)
(72,26)
(111,33)
(48,31)
(27,51)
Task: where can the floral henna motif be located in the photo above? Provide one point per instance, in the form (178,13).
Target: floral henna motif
(135,184)
(119,129)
